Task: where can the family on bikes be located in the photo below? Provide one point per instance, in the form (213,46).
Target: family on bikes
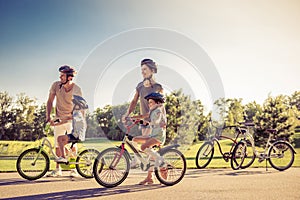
(70,126)
(111,166)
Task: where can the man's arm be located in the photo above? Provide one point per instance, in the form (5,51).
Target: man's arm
(49,106)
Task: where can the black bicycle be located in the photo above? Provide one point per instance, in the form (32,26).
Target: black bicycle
(207,149)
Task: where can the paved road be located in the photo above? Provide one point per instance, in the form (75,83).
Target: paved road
(218,184)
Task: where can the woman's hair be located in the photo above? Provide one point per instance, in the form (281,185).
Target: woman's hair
(150,63)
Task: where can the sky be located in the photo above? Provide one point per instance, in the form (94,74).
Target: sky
(245,49)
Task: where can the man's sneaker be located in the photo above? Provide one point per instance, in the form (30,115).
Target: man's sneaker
(61,160)
(73,173)
(55,173)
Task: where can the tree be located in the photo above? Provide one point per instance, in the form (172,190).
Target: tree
(275,115)
(184,117)
(251,110)
(7,117)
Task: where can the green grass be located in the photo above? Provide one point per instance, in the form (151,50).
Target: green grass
(15,148)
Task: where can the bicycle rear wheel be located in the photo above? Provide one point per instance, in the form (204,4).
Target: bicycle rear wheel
(174,168)
(204,155)
(33,165)
(281,156)
(111,167)
(85,162)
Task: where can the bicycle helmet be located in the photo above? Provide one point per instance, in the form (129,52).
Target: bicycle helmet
(150,63)
(67,70)
(156,97)
(79,101)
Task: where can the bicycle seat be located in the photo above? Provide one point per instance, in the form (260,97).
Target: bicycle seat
(156,146)
(243,130)
(272,131)
(74,142)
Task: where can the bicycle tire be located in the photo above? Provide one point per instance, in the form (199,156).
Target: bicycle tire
(249,157)
(174,168)
(238,155)
(107,175)
(27,169)
(85,161)
(204,155)
(281,155)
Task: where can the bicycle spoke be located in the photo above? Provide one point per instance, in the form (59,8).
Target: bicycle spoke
(111,168)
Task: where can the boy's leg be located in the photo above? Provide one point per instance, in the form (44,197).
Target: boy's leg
(140,139)
(147,148)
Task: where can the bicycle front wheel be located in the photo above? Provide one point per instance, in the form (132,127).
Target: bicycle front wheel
(281,156)
(174,168)
(85,162)
(111,167)
(33,164)
(238,155)
(204,155)
(249,155)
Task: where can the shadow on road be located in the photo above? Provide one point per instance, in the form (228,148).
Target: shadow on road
(18,181)
(92,193)
(196,173)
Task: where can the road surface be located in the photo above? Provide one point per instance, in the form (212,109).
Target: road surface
(254,183)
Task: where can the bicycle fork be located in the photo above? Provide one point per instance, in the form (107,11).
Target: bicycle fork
(37,156)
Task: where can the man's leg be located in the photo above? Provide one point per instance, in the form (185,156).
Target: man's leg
(58,131)
(62,141)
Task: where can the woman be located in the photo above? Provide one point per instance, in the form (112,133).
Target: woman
(147,86)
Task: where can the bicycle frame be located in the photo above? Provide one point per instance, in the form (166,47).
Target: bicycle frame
(263,155)
(239,131)
(126,141)
(46,142)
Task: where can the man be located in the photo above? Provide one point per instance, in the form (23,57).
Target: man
(63,92)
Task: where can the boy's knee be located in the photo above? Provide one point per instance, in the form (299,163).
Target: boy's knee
(143,147)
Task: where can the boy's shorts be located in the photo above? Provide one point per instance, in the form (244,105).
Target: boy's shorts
(71,138)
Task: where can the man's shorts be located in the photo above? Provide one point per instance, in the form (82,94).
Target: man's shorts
(62,130)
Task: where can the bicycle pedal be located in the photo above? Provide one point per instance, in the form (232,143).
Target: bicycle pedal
(261,159)
(60,162)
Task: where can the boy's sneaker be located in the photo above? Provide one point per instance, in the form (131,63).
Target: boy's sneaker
(159,162)
(61,160)
(55,173)
(73,173)
(134,163)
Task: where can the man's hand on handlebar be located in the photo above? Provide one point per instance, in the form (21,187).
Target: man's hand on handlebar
(58,121)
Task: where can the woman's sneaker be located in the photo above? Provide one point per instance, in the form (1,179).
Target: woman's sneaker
(55,173)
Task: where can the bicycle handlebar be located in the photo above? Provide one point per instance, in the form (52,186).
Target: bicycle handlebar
(135,120)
